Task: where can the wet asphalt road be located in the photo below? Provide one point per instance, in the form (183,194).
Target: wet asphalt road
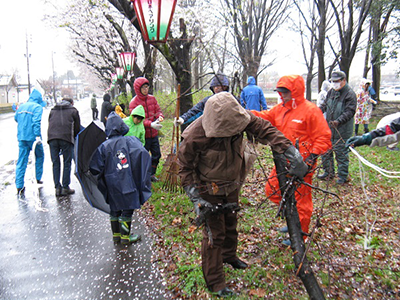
(62,248)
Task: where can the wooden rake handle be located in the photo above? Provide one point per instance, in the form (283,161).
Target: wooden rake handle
(178,101)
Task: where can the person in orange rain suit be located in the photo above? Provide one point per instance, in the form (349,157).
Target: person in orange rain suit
(303,123)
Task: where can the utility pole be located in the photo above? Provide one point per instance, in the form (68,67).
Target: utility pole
(27,55)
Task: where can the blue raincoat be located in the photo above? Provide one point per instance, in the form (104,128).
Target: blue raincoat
(123,165)
(252,96)
(29,118)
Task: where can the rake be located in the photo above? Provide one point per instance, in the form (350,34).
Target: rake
(169,173)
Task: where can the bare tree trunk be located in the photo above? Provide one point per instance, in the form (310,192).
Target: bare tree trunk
(321,5)
(290,212)
(367,52)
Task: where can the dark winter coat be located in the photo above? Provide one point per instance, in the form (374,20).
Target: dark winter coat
(341,106)
(212,155)
(197,110)
(123,166)
(106,109)
(64,122)
(150,104)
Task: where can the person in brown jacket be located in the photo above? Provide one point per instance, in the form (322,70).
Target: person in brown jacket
(212,170)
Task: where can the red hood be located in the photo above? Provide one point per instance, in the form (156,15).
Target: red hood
(295,84)
(137,85)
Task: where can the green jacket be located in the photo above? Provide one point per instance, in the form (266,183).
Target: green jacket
(136,129)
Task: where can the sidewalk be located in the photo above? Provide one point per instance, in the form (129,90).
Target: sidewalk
(62,248)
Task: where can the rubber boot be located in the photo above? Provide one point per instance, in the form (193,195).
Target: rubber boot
(356,129)
(125,229)
(115,229)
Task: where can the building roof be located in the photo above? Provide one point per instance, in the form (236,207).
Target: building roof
(6,80)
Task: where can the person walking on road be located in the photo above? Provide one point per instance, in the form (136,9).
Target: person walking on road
(152,121)
(106,108)
(123,168)
(93,106)
(339,108)
(64,125)
(29,119)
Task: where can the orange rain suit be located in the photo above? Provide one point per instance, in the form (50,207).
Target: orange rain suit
(299,120)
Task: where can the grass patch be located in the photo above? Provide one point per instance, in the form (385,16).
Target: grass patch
(344,267)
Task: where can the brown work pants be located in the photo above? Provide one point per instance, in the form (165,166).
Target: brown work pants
(225,238)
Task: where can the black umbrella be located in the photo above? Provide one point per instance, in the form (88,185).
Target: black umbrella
(86,144)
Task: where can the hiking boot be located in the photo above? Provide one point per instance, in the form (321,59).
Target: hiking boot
(287,242)
(284,229)
(58,192)
(237,264)
(67,191)
(325,176)
(225,292)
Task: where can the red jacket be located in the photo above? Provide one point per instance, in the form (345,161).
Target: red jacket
(150,104)
(299,119)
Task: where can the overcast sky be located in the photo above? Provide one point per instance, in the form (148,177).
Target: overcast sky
(22,18)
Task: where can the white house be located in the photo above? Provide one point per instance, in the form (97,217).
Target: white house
(8,89)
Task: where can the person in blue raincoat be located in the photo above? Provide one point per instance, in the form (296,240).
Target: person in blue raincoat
(252,97)
(29,118)
(123,167)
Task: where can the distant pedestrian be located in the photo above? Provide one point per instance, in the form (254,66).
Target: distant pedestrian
(106,108)
(29,118)
(64,125)
(364,106)
(93,106)
(252,97)
(152,121)
(123,168)
(325,87)
(339,108)
(135,123)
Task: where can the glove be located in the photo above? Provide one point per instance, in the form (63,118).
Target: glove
(178,121)
(297,166)
(194,196)
(334,124)
(310,160)
(156,125)
(38,140)
(356,141)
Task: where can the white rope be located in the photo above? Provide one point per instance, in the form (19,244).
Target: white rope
(371,165)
